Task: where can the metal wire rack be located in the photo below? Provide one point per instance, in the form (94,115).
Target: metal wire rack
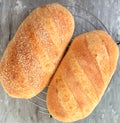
(84,21)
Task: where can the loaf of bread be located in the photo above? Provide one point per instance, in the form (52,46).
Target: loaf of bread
(82,76)
(33,54)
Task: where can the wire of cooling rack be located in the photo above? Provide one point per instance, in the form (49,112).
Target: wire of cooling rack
(78,6)
(118,42)
(108,31)
(41,97)
(40,103)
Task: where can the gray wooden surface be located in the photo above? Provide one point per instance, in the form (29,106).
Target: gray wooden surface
(12,13)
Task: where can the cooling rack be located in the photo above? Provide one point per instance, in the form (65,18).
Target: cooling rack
(84,22)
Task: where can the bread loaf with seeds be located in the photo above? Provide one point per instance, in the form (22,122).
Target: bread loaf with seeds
(33,54)
(83,76)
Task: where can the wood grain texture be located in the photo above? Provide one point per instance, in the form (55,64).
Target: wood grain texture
(12,13)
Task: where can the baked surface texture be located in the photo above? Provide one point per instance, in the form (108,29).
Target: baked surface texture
(83,76)
(33,54)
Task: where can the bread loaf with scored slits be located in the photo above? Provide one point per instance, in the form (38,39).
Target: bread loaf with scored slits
(33,54)
(82,76)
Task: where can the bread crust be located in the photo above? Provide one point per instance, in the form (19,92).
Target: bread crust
(33,54)
(82,77)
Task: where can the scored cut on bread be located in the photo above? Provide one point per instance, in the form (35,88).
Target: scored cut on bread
(35,51)
(83,76)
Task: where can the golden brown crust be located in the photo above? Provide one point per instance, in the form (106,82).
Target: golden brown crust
(33,54)
(82,76)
